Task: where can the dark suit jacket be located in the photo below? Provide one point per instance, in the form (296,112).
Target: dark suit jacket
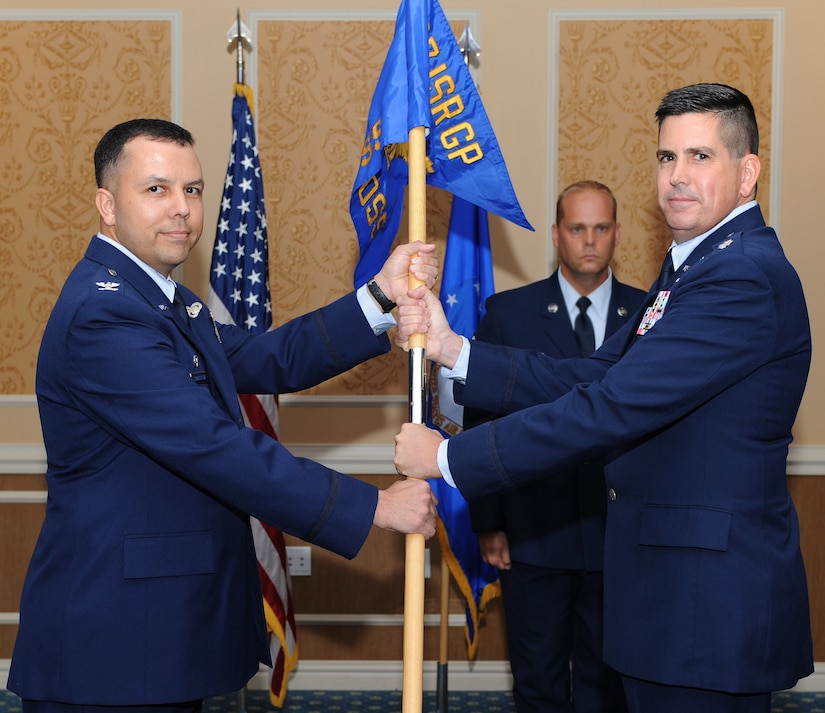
(559,521)
(704,580)
(143,587)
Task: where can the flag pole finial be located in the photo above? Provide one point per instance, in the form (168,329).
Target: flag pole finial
(237,35)
(470,49)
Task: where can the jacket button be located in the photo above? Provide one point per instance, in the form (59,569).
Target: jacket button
(611,494)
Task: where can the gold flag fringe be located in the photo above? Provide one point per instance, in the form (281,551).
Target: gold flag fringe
(490,591)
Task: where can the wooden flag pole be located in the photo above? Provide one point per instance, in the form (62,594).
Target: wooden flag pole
(413,679)
(444,638)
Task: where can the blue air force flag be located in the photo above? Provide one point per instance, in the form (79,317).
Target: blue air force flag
(424,82)
(466,283)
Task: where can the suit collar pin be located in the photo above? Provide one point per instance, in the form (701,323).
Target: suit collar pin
(622,311)
(552,308)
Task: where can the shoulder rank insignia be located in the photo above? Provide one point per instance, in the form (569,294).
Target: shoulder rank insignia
(724,244)
(215,325)
(107,286)
(194,309)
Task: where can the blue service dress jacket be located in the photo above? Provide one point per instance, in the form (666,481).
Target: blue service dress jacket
(557,522)
(704,580)
(143,587)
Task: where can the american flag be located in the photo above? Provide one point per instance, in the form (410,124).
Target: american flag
(239,294)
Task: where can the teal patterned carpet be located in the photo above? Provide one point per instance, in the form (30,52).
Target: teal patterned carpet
(390,702)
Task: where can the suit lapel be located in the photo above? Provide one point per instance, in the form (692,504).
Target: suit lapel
(554,317)
(203,333)
(751,219)
(618,312)
(121,265)
(200,332)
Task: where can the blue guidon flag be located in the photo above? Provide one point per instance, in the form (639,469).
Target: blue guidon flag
(466,283)
(425,82)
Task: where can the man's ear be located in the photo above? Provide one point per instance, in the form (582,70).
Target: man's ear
(105,202)
(751,168)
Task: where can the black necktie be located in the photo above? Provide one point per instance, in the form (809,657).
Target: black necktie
(666,272)
(179,305)
(584,329)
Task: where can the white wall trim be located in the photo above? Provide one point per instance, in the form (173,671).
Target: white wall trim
(26,458)
(806,460)
(323,675)
(388,676)
(365,459)
(30,458)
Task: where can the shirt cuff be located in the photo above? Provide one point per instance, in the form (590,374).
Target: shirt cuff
(444,464)
(459,370)
(378,320)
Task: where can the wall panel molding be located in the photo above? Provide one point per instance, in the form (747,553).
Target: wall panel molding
(30,458)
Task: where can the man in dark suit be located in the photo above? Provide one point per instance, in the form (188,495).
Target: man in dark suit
(694,400)
(143,588)
(548,538)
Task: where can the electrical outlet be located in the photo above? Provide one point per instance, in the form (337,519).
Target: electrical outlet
(299,561)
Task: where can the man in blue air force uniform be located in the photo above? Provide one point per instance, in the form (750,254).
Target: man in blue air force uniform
(548,538)
(706,603)
(143,589)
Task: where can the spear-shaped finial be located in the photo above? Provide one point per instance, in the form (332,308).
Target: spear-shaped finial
(239,33)
(470,49)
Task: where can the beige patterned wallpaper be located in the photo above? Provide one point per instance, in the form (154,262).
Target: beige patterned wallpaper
(612,75)
(63,83)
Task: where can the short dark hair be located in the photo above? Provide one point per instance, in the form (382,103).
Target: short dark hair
(110,147)
(582,186)
(738,127)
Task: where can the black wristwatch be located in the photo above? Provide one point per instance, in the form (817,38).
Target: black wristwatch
(386,304)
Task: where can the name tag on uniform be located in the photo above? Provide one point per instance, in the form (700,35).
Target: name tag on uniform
(653,313)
